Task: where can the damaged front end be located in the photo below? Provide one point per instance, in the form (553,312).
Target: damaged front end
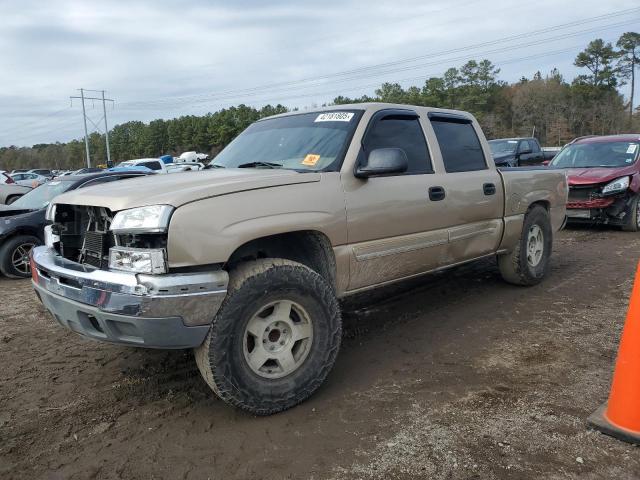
(105,275)
(609,203)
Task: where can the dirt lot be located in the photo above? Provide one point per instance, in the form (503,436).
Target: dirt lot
(457,375)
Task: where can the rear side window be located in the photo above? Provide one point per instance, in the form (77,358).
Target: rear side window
(460,146)
(151,165)
(404,133)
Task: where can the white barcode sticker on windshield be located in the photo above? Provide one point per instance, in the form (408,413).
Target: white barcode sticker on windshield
(632,148)
(334,117)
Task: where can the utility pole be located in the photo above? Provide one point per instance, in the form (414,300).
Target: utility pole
(82,97)
(86,136)
(106,129)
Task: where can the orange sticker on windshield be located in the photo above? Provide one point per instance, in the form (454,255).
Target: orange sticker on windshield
(311,160)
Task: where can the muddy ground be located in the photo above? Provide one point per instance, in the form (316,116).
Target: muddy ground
(457,375)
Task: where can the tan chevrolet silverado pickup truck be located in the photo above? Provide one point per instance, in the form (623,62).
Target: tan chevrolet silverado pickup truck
(246,262)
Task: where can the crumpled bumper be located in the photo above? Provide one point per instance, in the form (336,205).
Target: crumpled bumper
(156,311)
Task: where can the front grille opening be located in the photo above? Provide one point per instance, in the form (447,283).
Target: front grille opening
(85,236)
(584,192)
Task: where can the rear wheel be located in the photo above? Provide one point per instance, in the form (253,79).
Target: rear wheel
(14,256)
(275,338)
(528,263)
(633,216)
(12,199)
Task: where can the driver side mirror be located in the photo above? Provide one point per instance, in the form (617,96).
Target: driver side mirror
(383,161)
(525,151)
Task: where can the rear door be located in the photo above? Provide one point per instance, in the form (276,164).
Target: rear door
(472,187)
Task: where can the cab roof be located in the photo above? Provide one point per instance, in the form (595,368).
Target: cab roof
(372,106)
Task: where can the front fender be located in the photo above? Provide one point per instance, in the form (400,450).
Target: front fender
(208,231)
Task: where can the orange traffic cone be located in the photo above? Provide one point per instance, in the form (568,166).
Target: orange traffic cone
(620,417)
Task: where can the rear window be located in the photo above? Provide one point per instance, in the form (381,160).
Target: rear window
(459,145)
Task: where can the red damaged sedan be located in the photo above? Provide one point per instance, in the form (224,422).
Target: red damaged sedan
(604,180)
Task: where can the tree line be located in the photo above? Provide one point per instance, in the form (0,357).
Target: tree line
(547,105)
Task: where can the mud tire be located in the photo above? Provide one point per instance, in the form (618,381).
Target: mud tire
(632,225)
(221,359)
(514,266)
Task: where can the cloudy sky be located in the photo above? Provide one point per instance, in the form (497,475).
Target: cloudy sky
(166,58)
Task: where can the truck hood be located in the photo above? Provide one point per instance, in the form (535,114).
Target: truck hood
(9,211)
(177,189)
(594,175)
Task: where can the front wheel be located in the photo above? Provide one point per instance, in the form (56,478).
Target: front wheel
(528,262)
(632,223)
(14,256)
(275,338)
(12,199)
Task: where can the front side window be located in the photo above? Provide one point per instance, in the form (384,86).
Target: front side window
(404,133)
(460,146)
(306,142)
(525,146)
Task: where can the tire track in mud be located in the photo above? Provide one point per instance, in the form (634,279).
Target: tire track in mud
(522,415)
(434,375)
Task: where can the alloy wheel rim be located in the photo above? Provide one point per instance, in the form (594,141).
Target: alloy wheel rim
(20,258)
(535,245)
(277,339)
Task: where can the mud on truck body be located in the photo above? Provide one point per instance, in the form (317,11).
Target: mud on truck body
(246,262)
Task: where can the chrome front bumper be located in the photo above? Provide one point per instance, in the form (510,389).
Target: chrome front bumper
(89,301)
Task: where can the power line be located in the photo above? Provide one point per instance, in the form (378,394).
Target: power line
(403,80)
(168,103)
(366,69)
(36,122)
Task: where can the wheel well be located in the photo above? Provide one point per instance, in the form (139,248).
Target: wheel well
(308,247)
(22,231)
(543,203)
(13,197)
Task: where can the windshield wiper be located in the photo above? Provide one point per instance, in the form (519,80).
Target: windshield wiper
(260,165)
(213,165)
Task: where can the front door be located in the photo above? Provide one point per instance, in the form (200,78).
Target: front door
(394,228)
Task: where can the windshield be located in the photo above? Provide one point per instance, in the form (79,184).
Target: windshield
(306,142)
(501,147)
(585,155)
(40,197)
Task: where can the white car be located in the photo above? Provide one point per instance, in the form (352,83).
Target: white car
(191,157)
(29,179)
(184,167)
(154,164)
